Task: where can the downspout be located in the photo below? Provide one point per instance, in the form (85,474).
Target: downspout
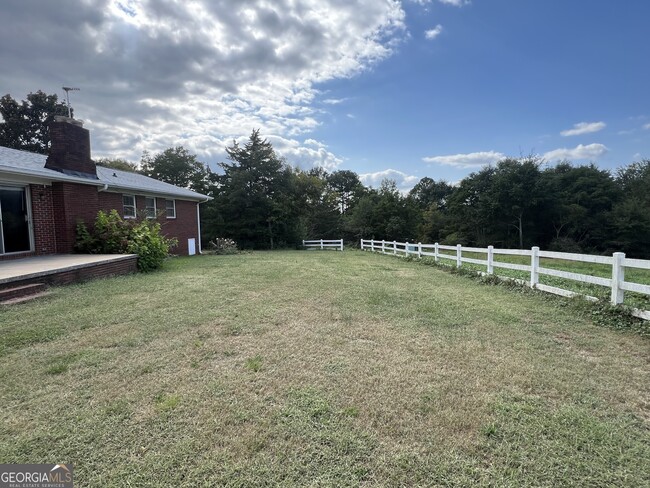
(198,223)
(105,187)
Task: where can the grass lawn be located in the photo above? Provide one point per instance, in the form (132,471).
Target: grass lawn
(306,368)
(634,275)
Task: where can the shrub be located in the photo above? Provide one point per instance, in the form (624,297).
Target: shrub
(222,245)
(565,244)
(112,234)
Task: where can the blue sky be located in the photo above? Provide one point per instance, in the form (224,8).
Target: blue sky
(502,76)
(387,88)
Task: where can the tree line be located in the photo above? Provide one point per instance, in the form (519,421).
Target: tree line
(262,202)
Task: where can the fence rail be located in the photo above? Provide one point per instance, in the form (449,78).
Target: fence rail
(323,244)
(617,261)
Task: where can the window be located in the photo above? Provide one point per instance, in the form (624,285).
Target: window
(150,207)
(128,202)
(170,207)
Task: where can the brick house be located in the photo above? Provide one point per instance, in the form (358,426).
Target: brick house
(43,197)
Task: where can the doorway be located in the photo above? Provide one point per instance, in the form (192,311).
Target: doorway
(14,220)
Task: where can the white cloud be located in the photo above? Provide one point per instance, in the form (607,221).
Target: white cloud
(158,73)
(469,160)
(403,181)
(646,126)
(433,33)
(455,3)
(334,101)
(583,128)
(580,152)
(306,155)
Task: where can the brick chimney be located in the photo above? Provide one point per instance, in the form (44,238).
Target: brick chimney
(70,148)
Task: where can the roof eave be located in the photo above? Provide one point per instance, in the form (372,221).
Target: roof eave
(198,197)
(55,176)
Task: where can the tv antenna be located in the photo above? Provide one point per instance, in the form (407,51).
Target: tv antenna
(67,90)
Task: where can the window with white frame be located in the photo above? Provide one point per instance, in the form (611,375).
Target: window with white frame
(128,203)
(170,207)
(150,207)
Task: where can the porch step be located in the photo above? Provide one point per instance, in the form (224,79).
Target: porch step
(21,291)
(25,298)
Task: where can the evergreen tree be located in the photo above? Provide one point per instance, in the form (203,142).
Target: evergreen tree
(254,196)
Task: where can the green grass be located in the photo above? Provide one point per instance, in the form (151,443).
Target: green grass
(321,369)
(634,275)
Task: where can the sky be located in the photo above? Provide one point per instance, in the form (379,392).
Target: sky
(386,88)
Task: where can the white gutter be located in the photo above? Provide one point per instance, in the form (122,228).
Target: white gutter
(198,225)
(198,221)
(53,176)
(197,197)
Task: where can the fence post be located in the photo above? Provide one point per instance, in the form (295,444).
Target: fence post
(341,244)
(458,255)
(419,250)
(383,246)
(394,247)
(534,266)
(618,276)
(490,260)
(303,243)
(406,248)
(321,244)
(435,252)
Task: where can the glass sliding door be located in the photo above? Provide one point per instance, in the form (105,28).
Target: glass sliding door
(14,220)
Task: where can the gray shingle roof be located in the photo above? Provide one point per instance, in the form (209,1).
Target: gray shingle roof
(26,163)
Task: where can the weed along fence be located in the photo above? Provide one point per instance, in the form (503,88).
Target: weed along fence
(618,264)
(336,244)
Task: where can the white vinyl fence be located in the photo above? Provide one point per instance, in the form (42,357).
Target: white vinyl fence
(617,261)
(324,244)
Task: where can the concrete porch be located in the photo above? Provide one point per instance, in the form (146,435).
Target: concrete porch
(18,277)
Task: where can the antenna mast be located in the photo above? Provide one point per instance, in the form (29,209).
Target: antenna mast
(67,90)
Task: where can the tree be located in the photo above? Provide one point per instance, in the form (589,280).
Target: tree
(631,215)
(117,163)
(178,166)
(516,191)
(26,123)
(361,221)
(320,217)
(346,185)
(428,191)
(384,214)
(255,196)
(472,209)
(580,199)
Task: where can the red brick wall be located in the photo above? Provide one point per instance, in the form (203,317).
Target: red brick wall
(43,219)
(72,202)
(56,210)
(109,201)
(183,227)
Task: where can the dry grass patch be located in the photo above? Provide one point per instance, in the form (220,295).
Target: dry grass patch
(322,369)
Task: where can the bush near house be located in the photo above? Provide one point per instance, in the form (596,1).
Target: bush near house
(111,234)
(222,245)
